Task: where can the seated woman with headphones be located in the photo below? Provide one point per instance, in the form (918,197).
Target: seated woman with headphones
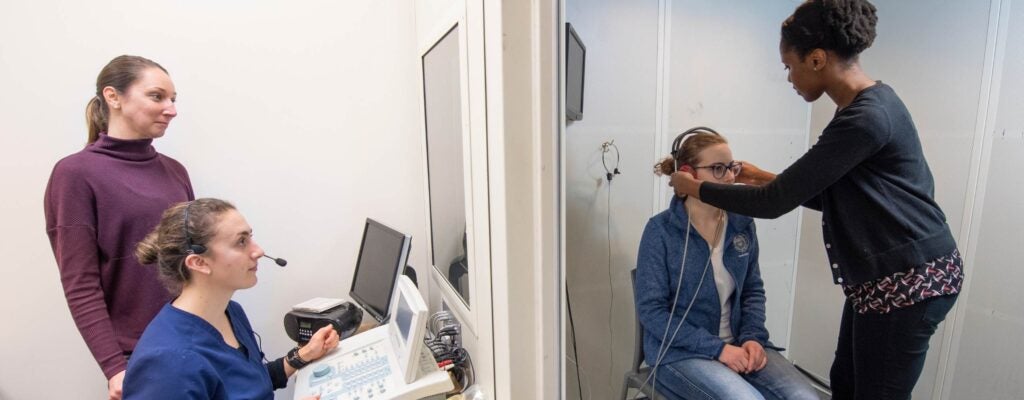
(200,345)
(699,293)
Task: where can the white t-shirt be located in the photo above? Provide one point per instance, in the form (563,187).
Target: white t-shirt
(726,286)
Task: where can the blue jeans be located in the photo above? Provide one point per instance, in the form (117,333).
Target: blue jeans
(699,379)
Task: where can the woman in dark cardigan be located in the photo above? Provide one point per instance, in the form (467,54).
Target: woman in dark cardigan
(887,241)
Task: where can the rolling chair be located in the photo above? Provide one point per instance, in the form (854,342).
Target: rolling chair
(636,377)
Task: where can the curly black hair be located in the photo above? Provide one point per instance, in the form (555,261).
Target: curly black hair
(846,27)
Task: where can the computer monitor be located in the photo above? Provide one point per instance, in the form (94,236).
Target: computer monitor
(382,257)
(575,66)
(407,327)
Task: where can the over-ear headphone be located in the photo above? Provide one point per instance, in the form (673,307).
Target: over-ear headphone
(606,148)
(680,140)
(191,248)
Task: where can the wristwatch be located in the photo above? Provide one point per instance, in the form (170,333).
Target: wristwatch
(294,360)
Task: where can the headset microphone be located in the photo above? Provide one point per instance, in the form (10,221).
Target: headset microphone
(193,248)
(280,261)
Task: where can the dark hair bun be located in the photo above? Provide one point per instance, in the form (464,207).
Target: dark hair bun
(846,27)
(853,24)
(147,250)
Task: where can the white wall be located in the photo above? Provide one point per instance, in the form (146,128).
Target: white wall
(619,104)
(984,364)
(817,303)
(306,116)
(655,69)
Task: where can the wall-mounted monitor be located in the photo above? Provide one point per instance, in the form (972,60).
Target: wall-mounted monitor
(575,65)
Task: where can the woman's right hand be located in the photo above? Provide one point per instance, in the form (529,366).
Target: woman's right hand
(322,342)
(735,358)
(114,386)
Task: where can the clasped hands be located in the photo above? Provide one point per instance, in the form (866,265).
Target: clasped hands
(750,357)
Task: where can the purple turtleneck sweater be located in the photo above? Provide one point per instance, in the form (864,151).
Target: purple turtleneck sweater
(100,202)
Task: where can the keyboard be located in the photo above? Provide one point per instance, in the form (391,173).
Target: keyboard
(362,374)
(364,368)
(317,304)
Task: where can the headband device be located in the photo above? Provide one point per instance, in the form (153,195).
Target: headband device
(191,248)
(680,140)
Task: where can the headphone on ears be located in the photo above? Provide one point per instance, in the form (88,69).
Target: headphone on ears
(680,140)
(192,247)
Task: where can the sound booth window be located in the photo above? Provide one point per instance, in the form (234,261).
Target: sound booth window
(442,102)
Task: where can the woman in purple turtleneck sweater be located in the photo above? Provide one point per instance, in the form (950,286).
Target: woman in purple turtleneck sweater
(101,201)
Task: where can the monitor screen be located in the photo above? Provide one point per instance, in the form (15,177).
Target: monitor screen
(403,318)
(575,63)
(407,327)
(382,257)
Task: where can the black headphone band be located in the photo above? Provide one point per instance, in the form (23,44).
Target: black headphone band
(191,247)
(679,140)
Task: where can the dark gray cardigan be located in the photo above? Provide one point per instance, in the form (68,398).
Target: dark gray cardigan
(868,176)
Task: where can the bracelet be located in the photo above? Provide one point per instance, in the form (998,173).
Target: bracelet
(294,360)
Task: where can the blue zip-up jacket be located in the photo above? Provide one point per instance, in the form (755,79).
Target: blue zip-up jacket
(657,274)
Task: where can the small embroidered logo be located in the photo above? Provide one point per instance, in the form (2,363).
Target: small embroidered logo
(741,243)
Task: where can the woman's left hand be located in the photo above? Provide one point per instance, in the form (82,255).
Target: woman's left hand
(756,356)
(323,341)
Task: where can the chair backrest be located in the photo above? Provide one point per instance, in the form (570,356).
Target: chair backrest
(638,337)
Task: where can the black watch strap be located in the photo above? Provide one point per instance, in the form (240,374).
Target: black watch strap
(294,360)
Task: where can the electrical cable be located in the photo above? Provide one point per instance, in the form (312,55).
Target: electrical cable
(443,338)
(575,354)
(672,311)
(260,345)
(610,173)
(611,289)
(663,349)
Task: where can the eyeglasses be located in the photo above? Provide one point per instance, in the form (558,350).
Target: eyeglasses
(719,169)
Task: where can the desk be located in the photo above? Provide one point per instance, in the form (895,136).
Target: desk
(367,324)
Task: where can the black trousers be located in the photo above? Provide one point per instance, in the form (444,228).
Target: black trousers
(880,356)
